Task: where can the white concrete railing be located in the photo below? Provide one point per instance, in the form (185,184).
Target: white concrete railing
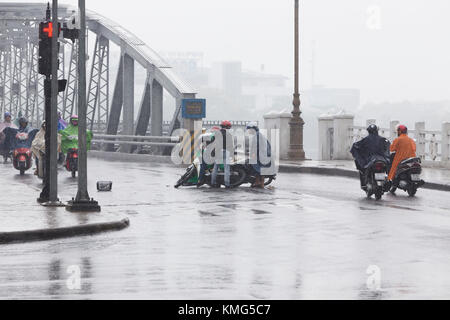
(433,146)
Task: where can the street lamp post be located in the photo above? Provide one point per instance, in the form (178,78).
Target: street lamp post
(296,123)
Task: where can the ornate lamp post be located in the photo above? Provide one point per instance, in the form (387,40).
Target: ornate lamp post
(296,123)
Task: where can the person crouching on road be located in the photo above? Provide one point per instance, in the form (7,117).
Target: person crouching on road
(224,144)
(404,148)
(259,153)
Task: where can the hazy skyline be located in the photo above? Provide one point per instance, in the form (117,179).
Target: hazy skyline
(390,50)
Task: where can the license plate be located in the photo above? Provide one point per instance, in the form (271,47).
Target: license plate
(415,177)
(380,176)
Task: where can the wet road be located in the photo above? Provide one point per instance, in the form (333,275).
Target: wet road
(307,237)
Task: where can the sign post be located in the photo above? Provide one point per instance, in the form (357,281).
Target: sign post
(192,112)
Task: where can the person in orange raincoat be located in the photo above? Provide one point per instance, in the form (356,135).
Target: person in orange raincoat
(404,148)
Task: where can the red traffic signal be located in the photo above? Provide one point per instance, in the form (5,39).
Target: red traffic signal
(46,30)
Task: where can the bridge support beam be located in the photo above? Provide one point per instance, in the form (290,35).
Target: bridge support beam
(116,107)
(128,99)
(157,109)
(145,108)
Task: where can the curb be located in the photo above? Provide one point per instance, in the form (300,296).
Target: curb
(349,174)
(65,232)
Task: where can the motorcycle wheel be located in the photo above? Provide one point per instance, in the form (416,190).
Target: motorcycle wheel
(22,172)
(378,194)
(185,177)
(239,178)
(74,173)
(268,181)
(412,191)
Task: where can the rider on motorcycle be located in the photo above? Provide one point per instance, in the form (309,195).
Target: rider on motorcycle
(6,124)
(69,136)
(370,147)
(259,153)
(224,144)
(404,147)
(38,145)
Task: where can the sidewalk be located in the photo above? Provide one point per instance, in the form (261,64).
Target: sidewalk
(23,219)
(436,179)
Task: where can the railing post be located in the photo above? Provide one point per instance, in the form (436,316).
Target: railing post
(342,138)
(393,129)
(445,147)
(419,135)
(325,137)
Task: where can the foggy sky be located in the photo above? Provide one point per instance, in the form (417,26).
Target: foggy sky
(407,58)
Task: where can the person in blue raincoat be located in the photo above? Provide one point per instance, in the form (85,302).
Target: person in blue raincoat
(259,153)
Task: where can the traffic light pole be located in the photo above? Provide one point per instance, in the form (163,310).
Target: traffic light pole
(53,127)
(82,202)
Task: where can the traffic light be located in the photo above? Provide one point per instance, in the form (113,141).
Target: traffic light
(45,47)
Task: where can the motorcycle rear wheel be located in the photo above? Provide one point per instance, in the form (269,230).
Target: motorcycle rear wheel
(378,194)
(268,181)
(412,191)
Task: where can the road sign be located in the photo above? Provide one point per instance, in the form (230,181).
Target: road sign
(193,108)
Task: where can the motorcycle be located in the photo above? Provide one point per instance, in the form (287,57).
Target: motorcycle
(375,176)
(238,174)
(72,161)
(22,155)
(407,177)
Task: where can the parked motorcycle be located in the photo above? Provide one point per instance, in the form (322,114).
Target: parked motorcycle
(238,175)
(72,161)
(375,177)
(407,177)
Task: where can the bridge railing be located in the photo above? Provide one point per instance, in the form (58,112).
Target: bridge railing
(432,146)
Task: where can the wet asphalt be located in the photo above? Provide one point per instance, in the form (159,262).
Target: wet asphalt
(304,237)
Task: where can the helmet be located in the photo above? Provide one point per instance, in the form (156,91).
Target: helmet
(74,118)
(23,120)
(252,125)
(372,129)
(402,128)
(7,114)
(225,124)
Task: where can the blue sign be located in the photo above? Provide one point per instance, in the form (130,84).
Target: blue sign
(193,108)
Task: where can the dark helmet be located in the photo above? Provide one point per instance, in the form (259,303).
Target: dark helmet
(225,124)
(252,125)
(402,128)
(23,122)
(372,129)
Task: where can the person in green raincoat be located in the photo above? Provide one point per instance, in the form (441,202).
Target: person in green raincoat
(69,136)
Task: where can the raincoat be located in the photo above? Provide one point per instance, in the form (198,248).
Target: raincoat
(38,143)
(259,152)
(371,147)
(12,143)
(404,148)
(69,138)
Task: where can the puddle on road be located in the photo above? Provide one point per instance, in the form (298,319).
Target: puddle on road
(257,211)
